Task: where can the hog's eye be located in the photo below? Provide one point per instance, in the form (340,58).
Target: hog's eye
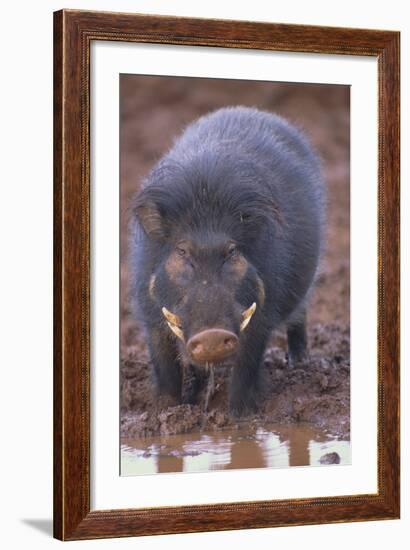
(180,251)
(232,250)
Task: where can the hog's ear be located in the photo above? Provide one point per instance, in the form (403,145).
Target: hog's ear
(150,219)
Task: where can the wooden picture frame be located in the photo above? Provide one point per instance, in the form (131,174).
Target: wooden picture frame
(74,32)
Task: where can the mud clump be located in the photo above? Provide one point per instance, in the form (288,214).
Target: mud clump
(316,391)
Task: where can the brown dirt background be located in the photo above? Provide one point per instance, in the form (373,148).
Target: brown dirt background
(153,112)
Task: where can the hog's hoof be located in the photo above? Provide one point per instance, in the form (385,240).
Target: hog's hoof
(164,401)
(190,397)
(298,360)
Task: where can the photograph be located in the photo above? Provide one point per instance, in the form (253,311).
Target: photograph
(234,274)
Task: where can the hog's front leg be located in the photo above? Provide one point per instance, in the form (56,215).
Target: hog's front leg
(167,368)
(244,395)
(297,338)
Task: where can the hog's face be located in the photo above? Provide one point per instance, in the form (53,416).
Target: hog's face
(207,291)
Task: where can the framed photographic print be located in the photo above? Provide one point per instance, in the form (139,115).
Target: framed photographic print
(226,275)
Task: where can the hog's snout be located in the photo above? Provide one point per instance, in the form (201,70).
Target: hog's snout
(212,345)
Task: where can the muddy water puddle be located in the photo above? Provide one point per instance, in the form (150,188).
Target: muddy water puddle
(270,446)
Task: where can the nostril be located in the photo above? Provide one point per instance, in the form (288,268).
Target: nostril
(192,344)
(229,343)
(196,347)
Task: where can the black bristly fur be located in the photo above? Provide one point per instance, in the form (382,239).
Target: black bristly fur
(236,175)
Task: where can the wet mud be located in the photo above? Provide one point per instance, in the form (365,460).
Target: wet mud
(316,392)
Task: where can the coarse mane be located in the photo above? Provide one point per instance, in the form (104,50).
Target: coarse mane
(210,191)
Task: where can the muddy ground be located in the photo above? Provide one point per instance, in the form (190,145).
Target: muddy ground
(153,111)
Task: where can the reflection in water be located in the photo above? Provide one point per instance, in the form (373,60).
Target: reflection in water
(275,446)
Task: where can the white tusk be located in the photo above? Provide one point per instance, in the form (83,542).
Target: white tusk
(176,330)
(247,316)
(170,317)
(173,322)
